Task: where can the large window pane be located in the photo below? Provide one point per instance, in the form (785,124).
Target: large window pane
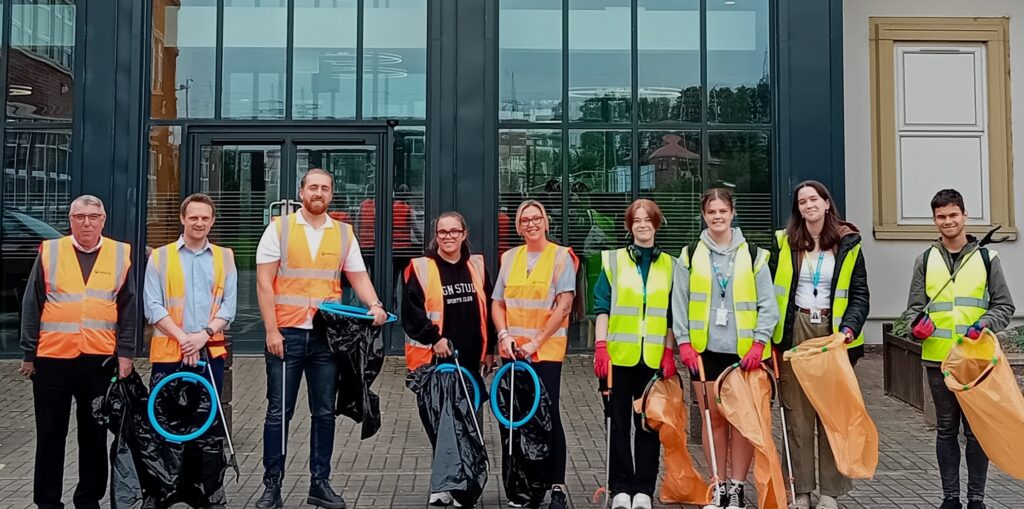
(529,167)
(739,62)
(670,174)
(184,58)
(36,187)
(255,40)
(599,60)
(395,59)
(741,161)
(40,83)
(668,60)
(409,172)
(324,59)
(600,187)
(163,194)
(530,60)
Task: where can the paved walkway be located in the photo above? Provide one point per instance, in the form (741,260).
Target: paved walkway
(393,468)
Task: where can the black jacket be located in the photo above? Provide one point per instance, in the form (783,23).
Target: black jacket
(860,297)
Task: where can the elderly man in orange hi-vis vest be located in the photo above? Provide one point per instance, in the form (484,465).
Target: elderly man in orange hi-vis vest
(190,296)
(299,263)
(533,295)
(78,312)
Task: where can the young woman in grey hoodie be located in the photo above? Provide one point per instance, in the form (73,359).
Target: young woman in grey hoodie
(711,325)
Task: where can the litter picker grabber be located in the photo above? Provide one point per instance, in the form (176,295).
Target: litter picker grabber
(604,387)
(284,414)
(715,479)
(785,433)
(469,399)
(986,240)
(223,418)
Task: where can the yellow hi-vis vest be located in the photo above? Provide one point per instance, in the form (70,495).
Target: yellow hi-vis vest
(959,305)
(168,264)
(639,315)
(744,295)
(840,294)
(530,297)
(429,277)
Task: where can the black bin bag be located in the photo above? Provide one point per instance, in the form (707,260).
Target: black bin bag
(524,473)
(459,463)
(359,355)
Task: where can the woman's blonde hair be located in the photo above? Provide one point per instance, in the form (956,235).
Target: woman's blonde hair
(525,205)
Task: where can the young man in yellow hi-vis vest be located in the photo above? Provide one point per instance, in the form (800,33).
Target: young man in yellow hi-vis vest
(976,298)
(190,297)
(299,263)
(79,310)
(533,295)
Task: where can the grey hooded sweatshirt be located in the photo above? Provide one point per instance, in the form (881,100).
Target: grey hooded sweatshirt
(722,339)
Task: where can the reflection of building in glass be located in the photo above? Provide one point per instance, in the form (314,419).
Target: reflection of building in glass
(41,86)
(37,176)
(527,163)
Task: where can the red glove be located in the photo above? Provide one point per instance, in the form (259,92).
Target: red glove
(974,332)
(848,332)
(752,360)
(923,328)
(601,360)
(668,363)
(689,357)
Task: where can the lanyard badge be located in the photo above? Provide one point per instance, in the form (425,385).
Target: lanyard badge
(815,281)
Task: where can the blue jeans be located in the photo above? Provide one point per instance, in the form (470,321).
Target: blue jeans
(303,352)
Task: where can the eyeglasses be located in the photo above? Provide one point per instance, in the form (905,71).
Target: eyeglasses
(82,218)
(527,221)
(449,234)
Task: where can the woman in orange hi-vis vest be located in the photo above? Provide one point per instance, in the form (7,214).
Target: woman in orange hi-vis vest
(532,299)
(445,311)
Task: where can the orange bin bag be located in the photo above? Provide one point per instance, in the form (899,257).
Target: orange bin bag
(664,410)
(745,399)
(980,376)
(826,376)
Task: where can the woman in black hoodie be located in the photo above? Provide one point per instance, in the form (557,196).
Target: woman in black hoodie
(445,308)
(822,288)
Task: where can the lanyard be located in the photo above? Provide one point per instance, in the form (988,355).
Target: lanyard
(723,279)
(816,276)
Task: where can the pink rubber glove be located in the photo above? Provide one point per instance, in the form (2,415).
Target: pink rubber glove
(689,357)
(923,328)
(752,360)
(848,332)
(974,332)
(601,359)
(668,363)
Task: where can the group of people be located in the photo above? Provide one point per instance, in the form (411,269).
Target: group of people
(721,302)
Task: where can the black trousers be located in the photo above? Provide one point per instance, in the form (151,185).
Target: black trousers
(633,461)
(550,374)
(54,384)
(948,418)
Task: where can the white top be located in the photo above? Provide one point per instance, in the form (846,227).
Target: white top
(805,285)
(269,249)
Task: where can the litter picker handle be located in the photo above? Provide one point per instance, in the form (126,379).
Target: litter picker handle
(775,362)
(700,368)
(609,374)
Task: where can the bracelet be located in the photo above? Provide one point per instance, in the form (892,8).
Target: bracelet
(503,333)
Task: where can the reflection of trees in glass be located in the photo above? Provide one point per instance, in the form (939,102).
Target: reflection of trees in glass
(740,160)
(609,107)
(684,107)
(675,161)
(741,105)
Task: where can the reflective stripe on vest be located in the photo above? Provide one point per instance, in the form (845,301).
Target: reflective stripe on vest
(530,297)
(784,283)
(168,266)
(429,277)
(744,296)
(302,282)
(80,317)
(631,323)
(959,305)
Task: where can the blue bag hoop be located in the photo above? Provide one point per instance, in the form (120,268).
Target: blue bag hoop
(444,368)
(519,366)
(351,311)
(189,377)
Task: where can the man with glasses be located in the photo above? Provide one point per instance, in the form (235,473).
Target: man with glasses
(78,312)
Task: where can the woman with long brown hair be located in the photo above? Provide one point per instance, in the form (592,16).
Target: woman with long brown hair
(822,288)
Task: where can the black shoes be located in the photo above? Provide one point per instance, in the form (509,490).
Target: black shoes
(558,500)
(975,504)
(271,497)
(322,495)
(951,503)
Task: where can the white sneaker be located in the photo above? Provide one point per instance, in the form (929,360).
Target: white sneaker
(622,501)
(641,501)
(803,501)
(440,499)
(827,502)
(717,497)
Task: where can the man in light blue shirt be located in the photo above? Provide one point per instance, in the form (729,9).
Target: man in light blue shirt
(190,297)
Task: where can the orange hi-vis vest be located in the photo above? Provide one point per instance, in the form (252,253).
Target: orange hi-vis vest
(425,269)
(303,283)
(530,297)
(168,266)
(80,317)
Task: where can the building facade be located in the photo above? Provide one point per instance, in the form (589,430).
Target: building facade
(416,107)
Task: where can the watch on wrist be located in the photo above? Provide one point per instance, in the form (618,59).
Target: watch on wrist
(378,303)
(209,332)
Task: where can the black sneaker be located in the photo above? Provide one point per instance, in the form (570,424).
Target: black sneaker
(975,504)
(322,495)
(952,503)
(271,497)
(735,498)
(558,499)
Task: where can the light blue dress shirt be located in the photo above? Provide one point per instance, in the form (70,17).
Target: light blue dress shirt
(198,270)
